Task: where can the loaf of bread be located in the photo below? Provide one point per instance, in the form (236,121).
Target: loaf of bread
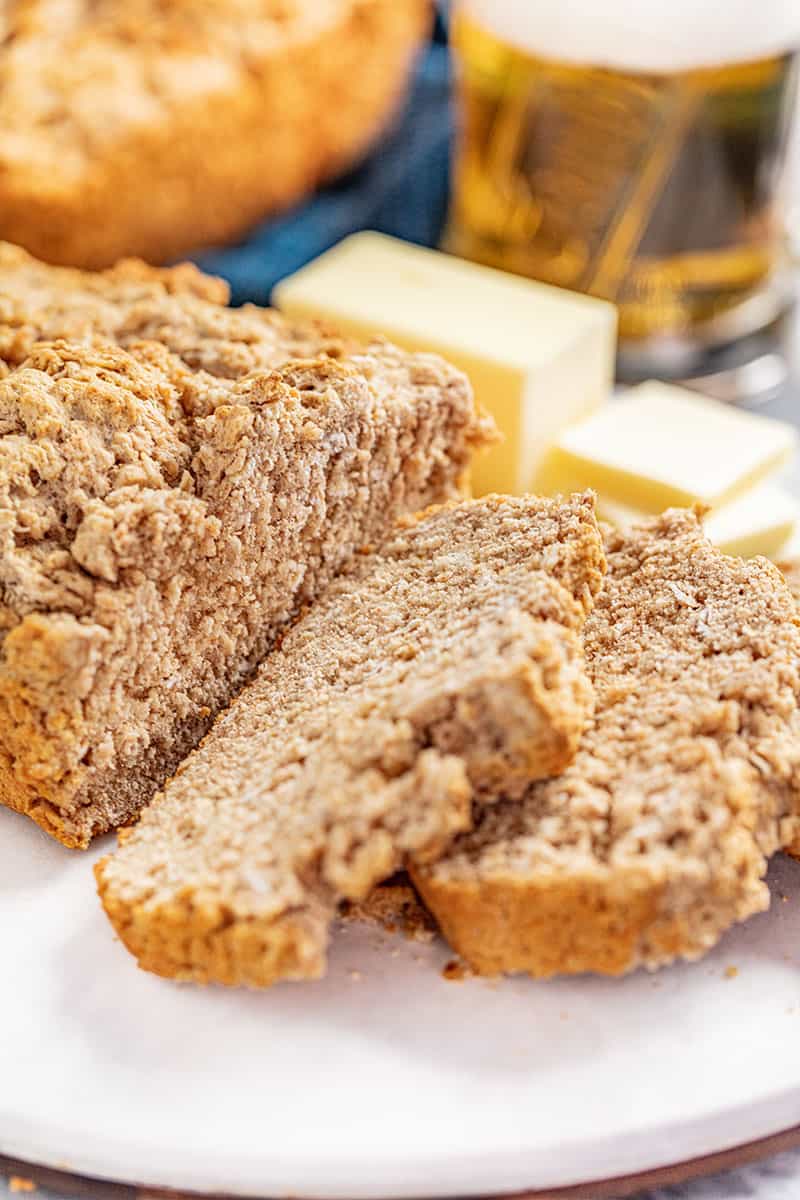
(177,480)
(443,668)
(654,841)
(139,127)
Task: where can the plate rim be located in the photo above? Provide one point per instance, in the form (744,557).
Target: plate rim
(743,1154)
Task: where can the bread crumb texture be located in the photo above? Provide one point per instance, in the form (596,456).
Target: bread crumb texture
(139,127)
(791,572)
(445,667)
(394,907)
(654,841)
(456,971)
(177,480)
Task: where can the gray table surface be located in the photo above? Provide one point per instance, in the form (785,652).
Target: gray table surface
(778,1178)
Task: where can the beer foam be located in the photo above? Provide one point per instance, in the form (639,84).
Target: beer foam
(644,35)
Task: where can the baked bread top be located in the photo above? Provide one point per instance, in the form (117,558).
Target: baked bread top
(178,307)
(447,665)
(78,75)
(655,839)
(122,396)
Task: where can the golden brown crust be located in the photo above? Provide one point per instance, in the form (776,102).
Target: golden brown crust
(194,928)
(177,479)
(655,839)
(543,929)
(606,922)
(123,101)
(444,667)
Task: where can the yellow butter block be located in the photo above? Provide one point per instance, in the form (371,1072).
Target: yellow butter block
(760,522)
(538,357)
(662,445)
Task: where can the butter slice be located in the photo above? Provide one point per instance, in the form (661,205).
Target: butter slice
(538,357)
(760,522)
(662,445)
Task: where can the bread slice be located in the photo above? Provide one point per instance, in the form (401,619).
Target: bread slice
(654,841)
(791,572)
(445,666)
(177,480)
(138,127)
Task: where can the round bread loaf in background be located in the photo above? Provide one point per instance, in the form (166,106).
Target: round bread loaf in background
(130,127)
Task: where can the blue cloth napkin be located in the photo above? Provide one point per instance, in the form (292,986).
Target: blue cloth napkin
(402,189)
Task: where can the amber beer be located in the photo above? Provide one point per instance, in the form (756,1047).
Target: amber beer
(606,146)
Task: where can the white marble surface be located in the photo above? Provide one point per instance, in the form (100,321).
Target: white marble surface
(778,1179)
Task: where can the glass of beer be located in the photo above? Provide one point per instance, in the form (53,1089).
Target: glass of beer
(633,150)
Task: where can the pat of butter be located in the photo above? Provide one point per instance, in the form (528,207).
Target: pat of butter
(760,522)
(538,357)
(662,445)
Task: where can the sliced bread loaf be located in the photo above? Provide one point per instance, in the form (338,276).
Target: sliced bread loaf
(176,481)
(655,839)
(446,665)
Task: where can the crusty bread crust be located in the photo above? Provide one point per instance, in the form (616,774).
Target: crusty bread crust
(153,130)
(201,934)
(177,480)
(445,667)
(655,840)
(606,922)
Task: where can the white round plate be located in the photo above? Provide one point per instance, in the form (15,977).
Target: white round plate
(383,1080)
